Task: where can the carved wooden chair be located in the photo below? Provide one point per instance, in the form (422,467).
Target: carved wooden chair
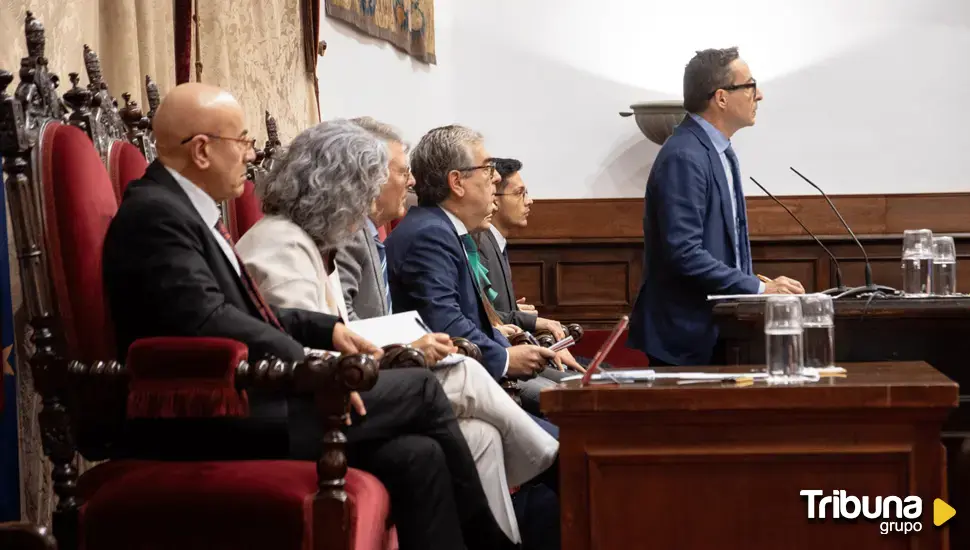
(61,202)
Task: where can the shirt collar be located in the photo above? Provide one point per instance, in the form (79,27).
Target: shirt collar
(459,226)
(720,141)
(499,238)
(203,203)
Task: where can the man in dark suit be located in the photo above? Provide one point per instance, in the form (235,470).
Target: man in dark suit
(695,220)
(432,259)
(170,269)
(512,203)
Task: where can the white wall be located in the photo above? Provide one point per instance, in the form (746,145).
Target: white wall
(863,96)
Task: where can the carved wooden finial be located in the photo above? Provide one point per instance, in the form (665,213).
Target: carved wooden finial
(6,77)
(77,98)
(154,98)
(93,66)
(272,132)
(34,32)
(130,113)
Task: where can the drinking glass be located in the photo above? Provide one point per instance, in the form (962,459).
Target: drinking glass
(818,330)
(783,337)
(917,262)
(944,266)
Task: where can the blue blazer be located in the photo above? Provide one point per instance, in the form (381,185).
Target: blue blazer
(688,250)
(429,273)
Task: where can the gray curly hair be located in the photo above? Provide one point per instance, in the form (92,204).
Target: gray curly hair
(326,181)
(439,152)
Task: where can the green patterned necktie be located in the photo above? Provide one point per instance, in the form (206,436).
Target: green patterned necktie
(480,271)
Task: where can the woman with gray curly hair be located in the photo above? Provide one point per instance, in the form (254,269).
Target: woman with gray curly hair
(314,198)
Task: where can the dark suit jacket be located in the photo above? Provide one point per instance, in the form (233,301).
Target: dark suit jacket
(165,275)
(429,273)
(688,231)
(500,275)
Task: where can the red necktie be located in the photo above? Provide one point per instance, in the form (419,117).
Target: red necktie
(251,288)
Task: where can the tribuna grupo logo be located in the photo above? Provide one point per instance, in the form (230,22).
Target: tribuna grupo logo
(894,514)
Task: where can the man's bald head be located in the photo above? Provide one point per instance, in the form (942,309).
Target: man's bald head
(190,109)
(200,132)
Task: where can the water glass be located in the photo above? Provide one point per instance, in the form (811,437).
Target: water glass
(944,266)
(783,337)
(917,262)
(818,330)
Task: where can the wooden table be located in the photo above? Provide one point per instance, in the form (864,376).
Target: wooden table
(711,466)
(935,330)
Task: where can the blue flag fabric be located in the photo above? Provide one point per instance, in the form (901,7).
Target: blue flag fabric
(9,439)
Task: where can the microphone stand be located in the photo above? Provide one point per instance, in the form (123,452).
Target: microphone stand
(839,287)
(870,287)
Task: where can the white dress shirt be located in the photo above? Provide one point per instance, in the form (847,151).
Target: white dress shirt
(462,230)
(209,210)
(499,238)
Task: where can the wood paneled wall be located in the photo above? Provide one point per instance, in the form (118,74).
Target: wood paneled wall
(581,260)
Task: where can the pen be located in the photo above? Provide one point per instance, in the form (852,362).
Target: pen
(763,279)
(423,326)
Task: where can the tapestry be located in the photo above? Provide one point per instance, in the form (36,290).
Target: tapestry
(407,24)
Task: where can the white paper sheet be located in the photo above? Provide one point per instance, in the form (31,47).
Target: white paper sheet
(400,328)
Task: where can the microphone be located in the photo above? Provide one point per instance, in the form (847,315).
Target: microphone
(839,287)
(870,288)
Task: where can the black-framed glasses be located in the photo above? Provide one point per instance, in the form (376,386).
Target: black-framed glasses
(488,167)
(753,85)
(251,142)
(521,194)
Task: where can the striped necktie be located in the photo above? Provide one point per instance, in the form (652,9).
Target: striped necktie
(480,271)
(382,254)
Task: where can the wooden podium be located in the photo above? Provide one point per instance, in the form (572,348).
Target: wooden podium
(934,330)
(662,465)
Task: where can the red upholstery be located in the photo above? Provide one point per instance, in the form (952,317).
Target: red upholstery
(619,356)
(185,378)
(247,210)
(79,203)
(138,505)
(149,504)
(125,164)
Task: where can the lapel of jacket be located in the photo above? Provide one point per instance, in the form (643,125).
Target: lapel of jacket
(720,178)
(468,268)
(506,268)
(160,175)
(375,265)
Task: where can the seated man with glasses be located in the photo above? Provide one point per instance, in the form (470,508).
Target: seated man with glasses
(512,204)
(432,261)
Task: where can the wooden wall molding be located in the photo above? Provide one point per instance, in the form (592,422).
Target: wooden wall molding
(871,215)
(581,260)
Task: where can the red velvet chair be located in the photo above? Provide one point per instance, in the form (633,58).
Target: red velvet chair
(125,164)
(61,201)
(245,210)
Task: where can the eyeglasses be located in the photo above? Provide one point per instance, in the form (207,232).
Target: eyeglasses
(251,142)
(753,85)
(521,194)
(489,169)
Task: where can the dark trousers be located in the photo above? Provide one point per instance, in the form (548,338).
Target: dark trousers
(410,440)
(537,511)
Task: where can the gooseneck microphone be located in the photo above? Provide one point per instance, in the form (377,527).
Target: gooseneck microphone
(839,287)
(870,288)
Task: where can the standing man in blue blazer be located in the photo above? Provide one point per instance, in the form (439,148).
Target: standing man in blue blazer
(695,221)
